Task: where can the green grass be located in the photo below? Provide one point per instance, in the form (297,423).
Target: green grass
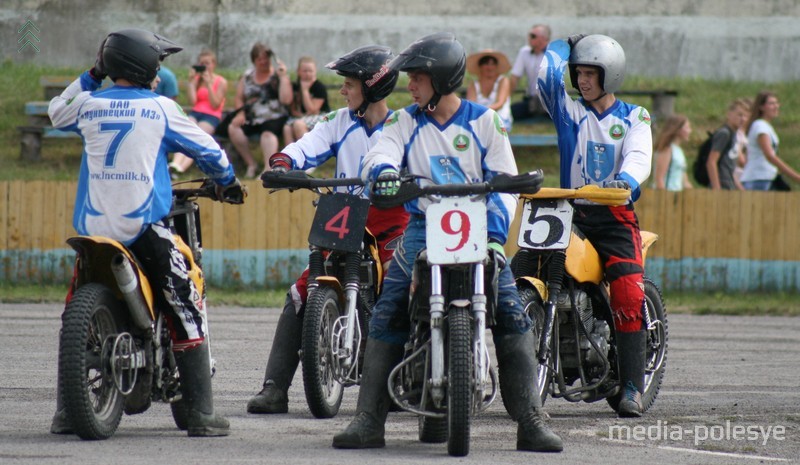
(774,304)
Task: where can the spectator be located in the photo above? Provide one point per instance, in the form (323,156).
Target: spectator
(727,148)
(741,144)
(492,89)
(527,65)
(206,91)
(670,169)
(761,173)
(167,83)
(263,93)
(310,101)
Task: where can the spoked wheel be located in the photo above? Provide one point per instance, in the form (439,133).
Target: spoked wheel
(92,401)
(459,381)
(532,303)
(323,391)
(656,347)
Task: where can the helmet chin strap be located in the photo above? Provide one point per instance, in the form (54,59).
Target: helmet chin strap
(430,107)
(362,109)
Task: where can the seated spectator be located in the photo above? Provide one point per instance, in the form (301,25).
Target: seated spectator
(670,161)
(527,64)
(167,83)
(206,92)
(491,88)
(310,101)
(727,148)
(263,93)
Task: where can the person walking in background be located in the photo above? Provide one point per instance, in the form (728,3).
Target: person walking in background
(492,88)
(763,167)
(206,91)
(727,148)
(310,101)
(671,165)
(527,65)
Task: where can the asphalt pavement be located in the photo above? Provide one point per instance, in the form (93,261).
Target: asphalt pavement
(730,396)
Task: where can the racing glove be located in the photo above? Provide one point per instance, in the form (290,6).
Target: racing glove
(617,184)
(234,192)
(387,182)
(499,253)
(280,162)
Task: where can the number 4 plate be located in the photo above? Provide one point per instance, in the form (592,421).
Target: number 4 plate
(456,231)
(546,224)
(339,222)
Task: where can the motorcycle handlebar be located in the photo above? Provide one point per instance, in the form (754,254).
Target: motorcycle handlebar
(298,179)
(526,183)
(206,190)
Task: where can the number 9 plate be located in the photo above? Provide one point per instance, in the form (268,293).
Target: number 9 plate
(456,231)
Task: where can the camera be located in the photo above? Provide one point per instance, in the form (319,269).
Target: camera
(199,68)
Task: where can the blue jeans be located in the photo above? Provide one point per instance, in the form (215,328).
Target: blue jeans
(757,185)
(385,324)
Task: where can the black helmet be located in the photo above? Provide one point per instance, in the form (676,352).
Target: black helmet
(441,56)
(368,64)
(135,55)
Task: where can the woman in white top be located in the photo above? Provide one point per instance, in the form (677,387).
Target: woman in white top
(492,88)
(763,164)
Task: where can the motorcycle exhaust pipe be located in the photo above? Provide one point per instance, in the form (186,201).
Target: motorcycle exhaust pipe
(129,286)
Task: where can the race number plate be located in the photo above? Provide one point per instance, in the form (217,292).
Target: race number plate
(339,222)
(456,231)
(546,224)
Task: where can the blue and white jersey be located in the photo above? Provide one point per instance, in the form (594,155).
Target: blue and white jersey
(617,144)
(472,147)
(124,184)
(339,134)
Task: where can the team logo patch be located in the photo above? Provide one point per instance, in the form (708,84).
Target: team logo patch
(599,160)
(498,124)
(461,142)
(447,170)
(644,116)
(392,119)
(616,132)
(329,117)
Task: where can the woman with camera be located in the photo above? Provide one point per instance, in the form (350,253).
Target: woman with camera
(206,92)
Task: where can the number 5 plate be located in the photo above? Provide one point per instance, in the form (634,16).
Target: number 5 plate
(546,224)
(456,231)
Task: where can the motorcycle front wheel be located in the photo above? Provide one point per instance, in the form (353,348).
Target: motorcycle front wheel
(323,392)
(92,401)
(656,347)
(459,381)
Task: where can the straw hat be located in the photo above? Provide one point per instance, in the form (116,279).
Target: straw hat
(503,65)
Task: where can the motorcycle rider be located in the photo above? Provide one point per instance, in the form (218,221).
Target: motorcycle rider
(124,193)
(347,134)
(608,142)
(444,139)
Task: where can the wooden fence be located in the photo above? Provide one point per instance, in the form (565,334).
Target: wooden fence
(708,240)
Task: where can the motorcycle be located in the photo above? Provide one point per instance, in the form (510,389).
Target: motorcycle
(560,279)
(446,375)
(345,274)
(115,350)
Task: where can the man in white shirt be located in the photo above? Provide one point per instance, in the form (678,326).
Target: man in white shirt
(527,64)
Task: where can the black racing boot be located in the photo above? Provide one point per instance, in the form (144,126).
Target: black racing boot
(631,358)
(366,431)
(517,364)
(195,374)
(60,424)
(281,365)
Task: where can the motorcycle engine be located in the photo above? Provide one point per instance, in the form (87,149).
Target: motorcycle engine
(581,351)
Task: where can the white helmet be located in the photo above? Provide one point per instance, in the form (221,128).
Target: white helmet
(603,52)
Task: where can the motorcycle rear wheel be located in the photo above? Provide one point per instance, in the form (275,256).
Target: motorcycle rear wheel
(93,403)
(459,381)
(656,351)
(323,392)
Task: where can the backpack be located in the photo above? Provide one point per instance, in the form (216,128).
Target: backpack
(699,168)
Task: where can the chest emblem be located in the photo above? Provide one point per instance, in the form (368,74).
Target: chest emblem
(461,142)
(616,132)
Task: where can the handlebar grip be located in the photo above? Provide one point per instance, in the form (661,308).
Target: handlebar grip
(526,183)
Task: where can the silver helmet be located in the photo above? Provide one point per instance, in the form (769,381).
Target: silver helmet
(603,52)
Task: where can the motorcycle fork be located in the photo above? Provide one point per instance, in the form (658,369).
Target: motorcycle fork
(481,360)
(352,333)
(437,386)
